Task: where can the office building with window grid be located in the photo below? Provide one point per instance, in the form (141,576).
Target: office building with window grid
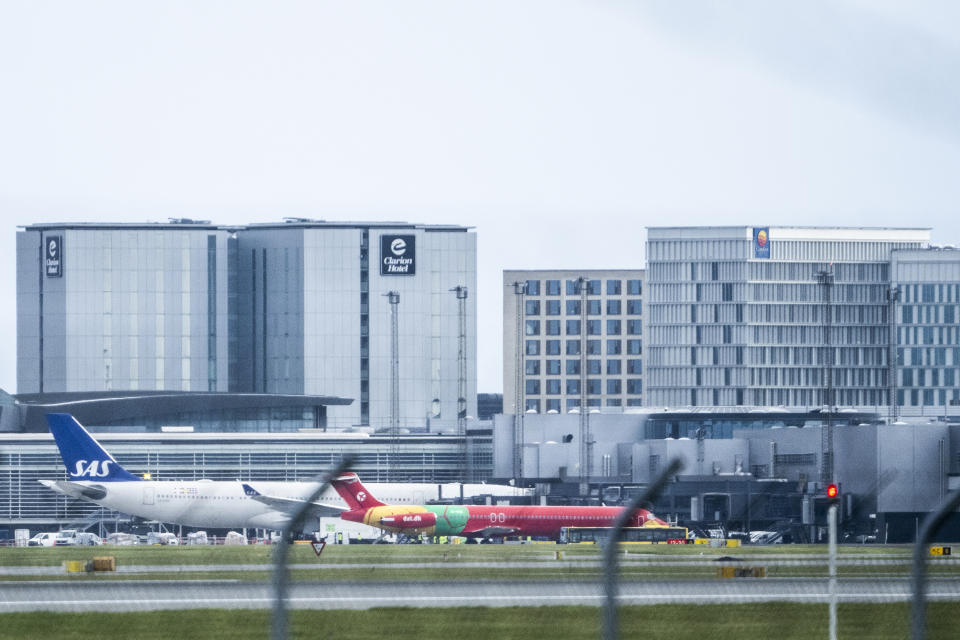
(926,298)
(767,316)
(579,333)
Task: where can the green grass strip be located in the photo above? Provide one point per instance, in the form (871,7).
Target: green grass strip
(783,621)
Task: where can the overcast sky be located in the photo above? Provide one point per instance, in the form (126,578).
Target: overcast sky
(559,130)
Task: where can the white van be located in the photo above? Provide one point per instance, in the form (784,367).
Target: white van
(47,539)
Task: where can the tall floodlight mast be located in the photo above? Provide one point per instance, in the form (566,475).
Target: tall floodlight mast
(519,290)
(394,299)
(465,466)
(825,281)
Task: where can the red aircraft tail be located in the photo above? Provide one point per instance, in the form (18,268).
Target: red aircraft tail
(354,493)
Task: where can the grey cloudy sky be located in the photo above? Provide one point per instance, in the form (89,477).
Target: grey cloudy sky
(558,129)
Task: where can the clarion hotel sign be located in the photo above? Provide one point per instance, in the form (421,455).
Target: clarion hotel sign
(398,255)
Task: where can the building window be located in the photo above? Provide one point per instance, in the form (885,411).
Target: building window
(572,288)
(553,307)
(613,287)
(573,387)
(532,307)
(634,366)
(553,367)
(593,327)
(532,368)
(573,347)
(573,307)
(593,308)
(553,287)
(533,405)
(614,347)
(613,307)
(613,367)
(634,347)
(533,287)
(532,387)
(553,347)
(553,386)
(633,386)
(573,367)
(613,387)
(613,327)
(594,347)
(532,327)
(553,405)
(634,327)
(593,367)
(635,287)
(634,307)
(593,287)
(573,327)
(594,387)
(553,327)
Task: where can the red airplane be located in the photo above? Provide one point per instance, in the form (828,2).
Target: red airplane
(475,521)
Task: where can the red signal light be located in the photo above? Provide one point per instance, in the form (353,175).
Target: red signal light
(832,491)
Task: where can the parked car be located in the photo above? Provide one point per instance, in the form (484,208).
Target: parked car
(47,539)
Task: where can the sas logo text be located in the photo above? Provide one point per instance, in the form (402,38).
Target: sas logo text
(92,469)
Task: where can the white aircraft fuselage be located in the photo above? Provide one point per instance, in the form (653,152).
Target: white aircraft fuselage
(225,504)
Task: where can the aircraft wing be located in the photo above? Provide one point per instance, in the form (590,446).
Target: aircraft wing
(76,490)
(289,505)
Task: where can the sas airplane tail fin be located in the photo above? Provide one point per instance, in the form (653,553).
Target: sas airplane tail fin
(83,456)
(354,493)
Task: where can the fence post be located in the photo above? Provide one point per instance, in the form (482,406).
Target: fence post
(610,551)
(279,622)
(931,525)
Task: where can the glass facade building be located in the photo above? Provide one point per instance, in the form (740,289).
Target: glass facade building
(122,307)
(298,307)
(761,316)
(580,335)
(315,318)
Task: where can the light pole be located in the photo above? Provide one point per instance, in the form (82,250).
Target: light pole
(394,299)
(825,281)
(519,290)
(461,292)
(893,296)
(586,444)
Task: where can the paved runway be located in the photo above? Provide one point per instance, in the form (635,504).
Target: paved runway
(84,594)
